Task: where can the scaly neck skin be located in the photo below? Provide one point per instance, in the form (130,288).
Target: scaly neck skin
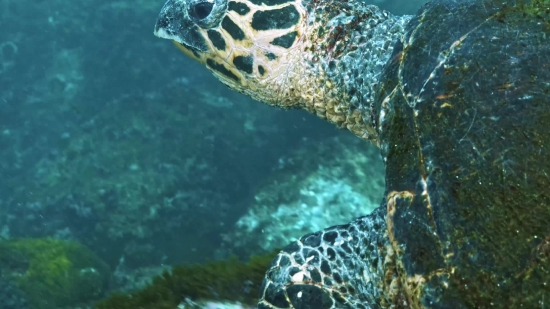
(345,58)
(357,42)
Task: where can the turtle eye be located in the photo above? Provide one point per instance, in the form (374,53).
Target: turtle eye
(201,10)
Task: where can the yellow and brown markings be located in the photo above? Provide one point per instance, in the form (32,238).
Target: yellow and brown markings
(266,49)
(392,295)
(286,40)
(232,29)
(217,39)
(220,68)
(238,7)
(254,50)
(412,299)
(244,63)
(261,70)
(413,286)
(279,18)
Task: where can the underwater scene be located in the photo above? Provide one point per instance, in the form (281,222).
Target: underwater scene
(307,154)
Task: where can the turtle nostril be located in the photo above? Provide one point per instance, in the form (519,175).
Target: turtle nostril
(201,10)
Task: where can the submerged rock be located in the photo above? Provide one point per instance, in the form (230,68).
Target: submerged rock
(51,273)
(319,185)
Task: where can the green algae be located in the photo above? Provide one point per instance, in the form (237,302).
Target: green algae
(528,9)
(53,273)
(228,280)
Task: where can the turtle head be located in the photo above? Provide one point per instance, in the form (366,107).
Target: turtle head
(253,46)
(286,53)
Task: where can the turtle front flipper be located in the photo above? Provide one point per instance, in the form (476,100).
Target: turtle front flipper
(345,266)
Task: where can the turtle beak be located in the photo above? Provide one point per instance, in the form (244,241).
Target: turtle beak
(174,24)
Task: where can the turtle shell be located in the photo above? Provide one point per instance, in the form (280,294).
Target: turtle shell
(464,124)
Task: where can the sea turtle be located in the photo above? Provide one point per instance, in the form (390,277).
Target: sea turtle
(457,98)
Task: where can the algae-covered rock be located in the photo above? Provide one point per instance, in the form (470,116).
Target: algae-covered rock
(195,286)
(53,273)
(11,297)
(318,185)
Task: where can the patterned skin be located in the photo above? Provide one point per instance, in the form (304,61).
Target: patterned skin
(286,54)
(456,97)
